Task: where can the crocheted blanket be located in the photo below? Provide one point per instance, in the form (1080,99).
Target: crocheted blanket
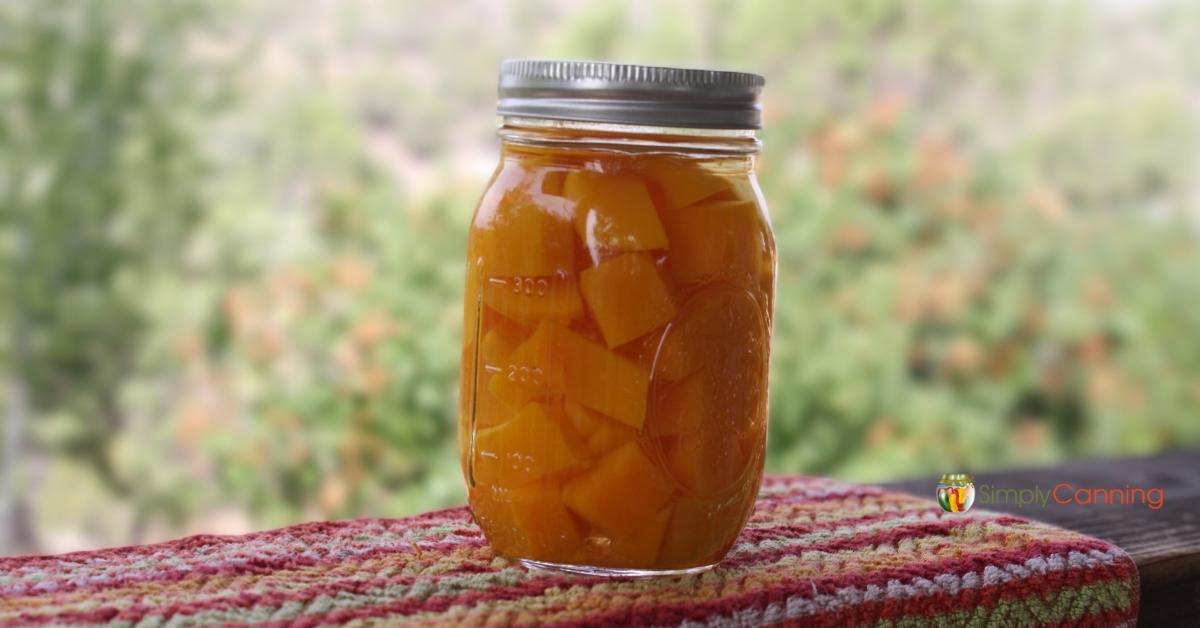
(815,551)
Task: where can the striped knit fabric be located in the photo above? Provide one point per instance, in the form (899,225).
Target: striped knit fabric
(815,552)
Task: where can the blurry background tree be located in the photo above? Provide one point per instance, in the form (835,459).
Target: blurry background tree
(232,240)
(99,176)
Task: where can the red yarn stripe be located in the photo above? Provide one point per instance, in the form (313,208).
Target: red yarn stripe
(323,530)
(264,565)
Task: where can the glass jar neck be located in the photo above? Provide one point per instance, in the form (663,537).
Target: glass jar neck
(546,133)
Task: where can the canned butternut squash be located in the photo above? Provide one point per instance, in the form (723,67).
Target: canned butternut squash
(619,292)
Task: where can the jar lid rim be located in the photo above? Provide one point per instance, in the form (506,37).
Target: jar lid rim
(592,91)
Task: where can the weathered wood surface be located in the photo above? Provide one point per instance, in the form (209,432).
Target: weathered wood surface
(1165,543)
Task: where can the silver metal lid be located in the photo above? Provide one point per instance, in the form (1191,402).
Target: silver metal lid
(617,93)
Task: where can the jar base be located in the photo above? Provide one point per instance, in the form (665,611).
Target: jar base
(612,572)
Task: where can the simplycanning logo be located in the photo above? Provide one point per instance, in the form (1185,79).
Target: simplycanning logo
(956,492)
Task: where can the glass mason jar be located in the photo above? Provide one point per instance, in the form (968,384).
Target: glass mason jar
(620,280)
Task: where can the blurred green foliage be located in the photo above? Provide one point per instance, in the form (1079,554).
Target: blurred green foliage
(957,318)
(100,178)
(232,241)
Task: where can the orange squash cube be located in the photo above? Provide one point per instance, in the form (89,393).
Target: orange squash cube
(579,183)
(679,408)
(556,360)
(676,185)
(500,338)
(527,447)
(620,493)
(522,239)
(546,530)
(492,511)
(601,433)
(627,296)
(523,377)
(641,547)
(587,328)
(736,350)
(700,531)
(681,351)
(671,360)
(613,213)
(724,240)
(602,380)
(684,349)
(553,181)
(707,462)
(714,326)
(497,345)
(490,410)
(528,300)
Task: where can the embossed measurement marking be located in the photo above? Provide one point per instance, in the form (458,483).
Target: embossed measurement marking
(528,286)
